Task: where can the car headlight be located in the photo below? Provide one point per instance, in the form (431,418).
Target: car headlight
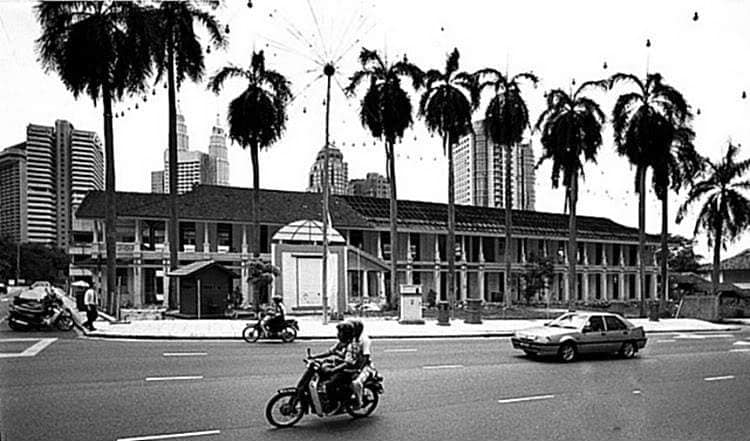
(541,339)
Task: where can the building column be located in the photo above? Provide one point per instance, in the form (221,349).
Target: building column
(638,292)
(206,243)
(381,285)
(605,294)
(585,284)
(365,288)
(566,287)
(621,287)
(244,286)
(463,278)
(137,282)
(244,239)
(165,280)
(605,261)
(481,276)
(436,280)
(653,285)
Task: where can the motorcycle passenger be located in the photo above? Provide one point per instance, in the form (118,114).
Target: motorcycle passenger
(275,319)
(362,349)
(49,303)
(343,352)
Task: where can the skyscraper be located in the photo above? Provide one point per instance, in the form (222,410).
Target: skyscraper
(338,172)
(61,165)
(479,169)
(13,194)
(217,150)
(157,181)
(374,185)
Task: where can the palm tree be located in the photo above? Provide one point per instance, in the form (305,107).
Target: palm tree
(178,52)
(677,166)
(725,210)
(506,119)
(571,128)
(446,106)
(644,123)
(99,49)
(257,119)
(386,112)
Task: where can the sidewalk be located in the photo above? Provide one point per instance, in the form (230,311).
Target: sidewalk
(312,328)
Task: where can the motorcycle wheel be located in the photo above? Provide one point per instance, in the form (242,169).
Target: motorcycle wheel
(250,334)
(64,323)
(288,334)
(280,413)
(15,326)
(370,400)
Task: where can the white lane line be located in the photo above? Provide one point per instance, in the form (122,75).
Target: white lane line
(740,350)
(400,350)
(184,354)
(741,343)
(724,377)
(32,350)
(171,435)
(444,366)
(184,377)
(669,340)
(636,392)
(520,399)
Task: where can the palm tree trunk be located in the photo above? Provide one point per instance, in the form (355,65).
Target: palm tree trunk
(110,205)
(572,242)
(394,221)
(664,252)
(717,259)
(173,233)
(508,226)
(255,237)
(451,248)
(642,236)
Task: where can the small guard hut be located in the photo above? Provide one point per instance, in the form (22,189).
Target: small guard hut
(203,288)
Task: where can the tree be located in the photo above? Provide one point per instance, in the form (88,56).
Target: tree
(645,121)
(506,119)
(446,106)
(257,119)
(571,128)
(386,111)
(37,262)
(178,53)
(725,206)
(681,257)
(101,49)
(539,270)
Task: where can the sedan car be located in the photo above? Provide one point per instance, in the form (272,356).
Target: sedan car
(575,333)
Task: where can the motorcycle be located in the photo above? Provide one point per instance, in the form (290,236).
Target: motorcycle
(290,404)
(33,315)
(286,332)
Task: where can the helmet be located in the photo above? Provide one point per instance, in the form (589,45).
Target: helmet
(277,298)
(345,331)
(358,327)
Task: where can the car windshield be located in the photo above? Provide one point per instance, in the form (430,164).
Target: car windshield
(573,321)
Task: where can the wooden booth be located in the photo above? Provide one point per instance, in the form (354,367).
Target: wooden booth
(203,289)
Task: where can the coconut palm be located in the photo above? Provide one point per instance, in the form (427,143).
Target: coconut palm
(446,106)
(257,119)
(644,122)
(571,128)
(178,53)
(100,49)
(506,119)
(676,167)
(725,206)
(386,111)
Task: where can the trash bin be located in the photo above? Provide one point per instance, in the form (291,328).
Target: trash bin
(442,317)
(653,311)
(473,311)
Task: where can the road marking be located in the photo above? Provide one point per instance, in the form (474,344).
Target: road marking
(444,366)
(636,392)
(669,340)
(520,399)
(740,350)
(742,343)
(400,350)
(725,377)
(184,377)
(701,336)
(171,435)
(31,351)
(184,354)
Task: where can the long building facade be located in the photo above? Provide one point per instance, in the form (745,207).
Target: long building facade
(215,223)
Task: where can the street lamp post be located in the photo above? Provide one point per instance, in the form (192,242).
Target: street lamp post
(328,70)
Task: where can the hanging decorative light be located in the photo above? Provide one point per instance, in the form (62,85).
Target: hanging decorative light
(695,16)
(145,98)
(698,112)
(208,49)
(604,66)
(744,94)
(648,42)
(136,106)
(250,4)
(153,91)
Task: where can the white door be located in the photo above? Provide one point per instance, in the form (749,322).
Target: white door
(309,286)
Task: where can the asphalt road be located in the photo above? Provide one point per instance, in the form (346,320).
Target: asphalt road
(681,387)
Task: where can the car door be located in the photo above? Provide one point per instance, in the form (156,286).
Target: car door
(594,339)
(617,333)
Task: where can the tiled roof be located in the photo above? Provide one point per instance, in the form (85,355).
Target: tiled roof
(277,207)
(740,262)
(199,266)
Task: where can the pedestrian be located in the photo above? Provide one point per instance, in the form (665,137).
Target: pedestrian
(91,302)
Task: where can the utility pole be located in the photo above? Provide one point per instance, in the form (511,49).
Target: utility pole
(328,70)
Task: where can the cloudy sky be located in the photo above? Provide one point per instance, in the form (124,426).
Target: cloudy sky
(706,59)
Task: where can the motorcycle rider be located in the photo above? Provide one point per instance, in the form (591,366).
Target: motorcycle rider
(49,303)
(343,352)
(362,350)
(276,317)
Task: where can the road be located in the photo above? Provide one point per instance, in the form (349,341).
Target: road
(680,387)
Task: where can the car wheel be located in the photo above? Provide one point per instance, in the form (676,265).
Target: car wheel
(567,352)
(627,350)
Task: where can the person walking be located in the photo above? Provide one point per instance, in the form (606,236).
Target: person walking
(91,301)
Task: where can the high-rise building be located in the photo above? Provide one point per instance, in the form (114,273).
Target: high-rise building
(61,165)
(194,167)
(374,185)
(338,172)
(479,170)
(13,194)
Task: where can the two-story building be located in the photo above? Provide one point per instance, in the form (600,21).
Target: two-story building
(216,223)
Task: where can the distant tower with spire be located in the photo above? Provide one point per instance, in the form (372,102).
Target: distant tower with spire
(217,151)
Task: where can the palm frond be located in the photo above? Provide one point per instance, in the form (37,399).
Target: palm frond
(217,80)
(621,77)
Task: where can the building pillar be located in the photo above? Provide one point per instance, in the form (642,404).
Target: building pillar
(244,239)
(137,282)
(566,287)
(436,280)
(585,284)
(481,276)
(365,288)
(621,287)
(585,256)
(621,257)
(244,285)
(605,261)
(206,243)
(605,294)
(165,280)
(638,292)
(653,285)
(464,282)
(381,285)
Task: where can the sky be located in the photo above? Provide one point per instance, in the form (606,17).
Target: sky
(706,59)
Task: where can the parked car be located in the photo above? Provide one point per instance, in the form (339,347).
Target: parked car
(575,333)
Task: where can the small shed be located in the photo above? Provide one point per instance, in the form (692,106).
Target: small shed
(697,300)
(203,288)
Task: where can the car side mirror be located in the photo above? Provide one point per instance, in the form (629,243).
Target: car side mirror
(586,329)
